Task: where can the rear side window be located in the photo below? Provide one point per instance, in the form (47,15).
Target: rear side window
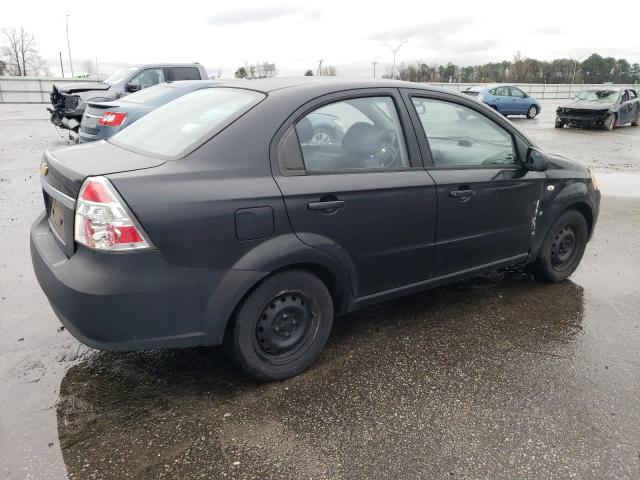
(501,91)
(459,136)
(178,127)
(354,134)
(185,73)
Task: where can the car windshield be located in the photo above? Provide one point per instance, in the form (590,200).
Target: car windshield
(156,95)
(120,75)
(604,96)
(175,129)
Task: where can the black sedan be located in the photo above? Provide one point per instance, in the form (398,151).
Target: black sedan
(605,107)
(218,219)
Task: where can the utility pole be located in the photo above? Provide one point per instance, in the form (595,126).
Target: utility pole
(319,68)
(374,69)
(394,50)
(97,70)
(69,46)
(61,67)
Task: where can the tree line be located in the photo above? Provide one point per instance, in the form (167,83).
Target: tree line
(594,69)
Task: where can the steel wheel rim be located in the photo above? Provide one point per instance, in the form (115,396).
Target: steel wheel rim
(564,247)
(321,138)
(285,327)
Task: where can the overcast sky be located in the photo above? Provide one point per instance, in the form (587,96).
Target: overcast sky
(350,35)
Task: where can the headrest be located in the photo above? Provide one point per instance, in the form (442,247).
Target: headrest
(362,139)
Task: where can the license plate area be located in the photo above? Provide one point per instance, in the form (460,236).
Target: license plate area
(57,219)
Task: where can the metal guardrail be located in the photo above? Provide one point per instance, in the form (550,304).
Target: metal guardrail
(30,89)
(37,89)
(537,90)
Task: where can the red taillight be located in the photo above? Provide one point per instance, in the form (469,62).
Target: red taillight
(103,222)
(96,192)
(112,119)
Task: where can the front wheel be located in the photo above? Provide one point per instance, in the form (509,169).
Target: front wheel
(563,247)
(559,123)
(609,122)
(282,326)
(532,112)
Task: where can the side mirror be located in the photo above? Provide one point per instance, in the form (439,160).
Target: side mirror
(131,87)
(535,160)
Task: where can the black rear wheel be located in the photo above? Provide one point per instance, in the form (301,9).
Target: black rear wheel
(563,247)
(282,326)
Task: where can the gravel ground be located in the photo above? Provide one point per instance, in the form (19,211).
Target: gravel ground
(496,377)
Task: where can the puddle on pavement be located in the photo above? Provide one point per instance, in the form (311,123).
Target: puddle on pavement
(182,412)
(618,184)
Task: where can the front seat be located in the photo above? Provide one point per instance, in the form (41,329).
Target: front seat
(360,142)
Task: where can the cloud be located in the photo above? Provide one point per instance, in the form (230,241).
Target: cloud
(425,32)
(261,14)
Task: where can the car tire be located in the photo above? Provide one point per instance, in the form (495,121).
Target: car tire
(609,122)
(559,124)
(532,112)
(281,327)
(563,247)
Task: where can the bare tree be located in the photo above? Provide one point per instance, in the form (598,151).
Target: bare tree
(21,53)
(89,67)
(329,71)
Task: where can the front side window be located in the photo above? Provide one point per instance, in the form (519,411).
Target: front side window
(354,134)
(178,127)
(460,136)
(516,92)
(148,77)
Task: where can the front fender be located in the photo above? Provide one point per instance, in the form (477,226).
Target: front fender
(566,193)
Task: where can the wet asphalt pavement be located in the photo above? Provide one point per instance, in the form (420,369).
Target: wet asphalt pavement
(496,377)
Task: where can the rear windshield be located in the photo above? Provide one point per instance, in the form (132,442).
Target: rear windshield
(156,95)
(180,126)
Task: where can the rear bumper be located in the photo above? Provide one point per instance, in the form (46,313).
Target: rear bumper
(135,301)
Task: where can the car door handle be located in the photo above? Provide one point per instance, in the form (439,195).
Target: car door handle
(462,194)
(329,205)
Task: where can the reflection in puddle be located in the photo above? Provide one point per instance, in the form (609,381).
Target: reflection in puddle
(619,184)
(395,380)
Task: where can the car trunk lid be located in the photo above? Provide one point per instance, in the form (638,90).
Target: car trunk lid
(63,172)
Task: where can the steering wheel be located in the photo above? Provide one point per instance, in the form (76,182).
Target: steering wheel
(388,155)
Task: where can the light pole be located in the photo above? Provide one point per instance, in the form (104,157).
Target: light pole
(69,46)
(394,50)
(575,66)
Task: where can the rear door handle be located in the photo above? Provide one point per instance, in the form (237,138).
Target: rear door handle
(329,205)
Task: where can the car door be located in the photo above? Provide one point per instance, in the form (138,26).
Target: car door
(503,99)
(487,201)
(626,111)
(635,101)
(361,194)
(519,101)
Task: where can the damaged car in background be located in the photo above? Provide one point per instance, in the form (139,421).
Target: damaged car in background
(600,107)
(69,100)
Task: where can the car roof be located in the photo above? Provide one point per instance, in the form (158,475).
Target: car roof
(301,84)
